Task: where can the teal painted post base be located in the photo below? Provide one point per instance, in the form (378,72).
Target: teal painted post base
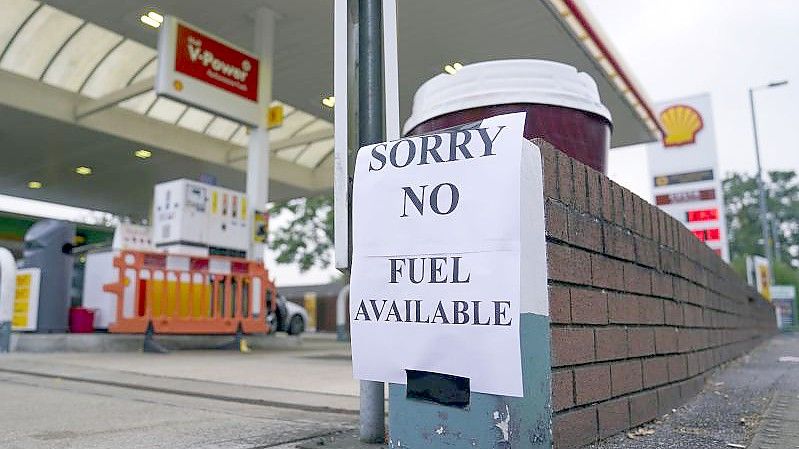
(5,336)
(489,421)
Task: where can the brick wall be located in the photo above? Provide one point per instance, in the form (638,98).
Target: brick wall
(640,309)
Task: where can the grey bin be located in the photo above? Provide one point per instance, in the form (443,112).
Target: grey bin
(48,244)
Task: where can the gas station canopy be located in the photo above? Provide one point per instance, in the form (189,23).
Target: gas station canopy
(76,89)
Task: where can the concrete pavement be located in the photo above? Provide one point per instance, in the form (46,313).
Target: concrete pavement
(315,373)
(55,413)
(303,396)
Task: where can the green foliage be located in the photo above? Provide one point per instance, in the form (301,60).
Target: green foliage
(743,220)
(307,238)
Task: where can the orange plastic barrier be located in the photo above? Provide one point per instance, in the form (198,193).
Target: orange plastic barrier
(189,294)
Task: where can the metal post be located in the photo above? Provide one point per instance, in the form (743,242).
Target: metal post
(761,188)
(8,286)
(258,146)
(341,313)
(775,236)
(371,130)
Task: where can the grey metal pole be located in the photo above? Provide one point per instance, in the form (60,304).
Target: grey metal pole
(775,235)
(761,188)
(371,130)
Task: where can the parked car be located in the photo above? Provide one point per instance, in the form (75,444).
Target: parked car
(288,317)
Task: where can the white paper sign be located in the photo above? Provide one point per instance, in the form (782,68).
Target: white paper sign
(435,282)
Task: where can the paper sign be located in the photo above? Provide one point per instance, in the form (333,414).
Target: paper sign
(435,282)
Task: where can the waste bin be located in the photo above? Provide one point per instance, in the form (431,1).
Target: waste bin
(48,245)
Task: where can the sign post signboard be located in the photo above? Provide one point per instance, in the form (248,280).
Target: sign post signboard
(686,182)
(784,299)
(205,71)
(758,274)
(436,270)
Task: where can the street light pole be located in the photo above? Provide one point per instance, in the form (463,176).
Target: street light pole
(761,187)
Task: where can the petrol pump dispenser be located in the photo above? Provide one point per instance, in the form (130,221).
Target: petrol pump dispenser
(194,218)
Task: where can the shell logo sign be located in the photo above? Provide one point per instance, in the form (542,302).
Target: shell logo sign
(681,124)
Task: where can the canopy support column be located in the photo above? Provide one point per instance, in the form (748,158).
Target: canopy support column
(258,146)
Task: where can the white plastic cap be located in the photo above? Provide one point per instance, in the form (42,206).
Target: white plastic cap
(533,81)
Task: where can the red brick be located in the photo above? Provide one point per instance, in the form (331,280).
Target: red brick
(556,224)
(640,341)
(614,417)
(565,179)
(668,261)
(618,203)
(591,384)
(580,186)
(559,304)
(629,209)
(585,231)
(662,285)
(692,360)
(697,295)
(606,272)
(611,343)
(651,310)
(668,398)
(623,308)
(646,218)
(626,377)
(607,198)
(589,306)
(686,340)
(594,192)
(572,346)
(618,242)
(692,314)
(637,279)
(656,371)
(575,429)
(691,388)
(568,264)
(673,313)
(653,213)
(646,252)
(549,161)
(562,389)
(665,340)
(638,215)
(643,407)
(678,368)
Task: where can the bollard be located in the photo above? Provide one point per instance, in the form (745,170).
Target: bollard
(373,412)
(341,313)
(8,284)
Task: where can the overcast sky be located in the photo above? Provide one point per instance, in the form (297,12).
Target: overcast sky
(678,48)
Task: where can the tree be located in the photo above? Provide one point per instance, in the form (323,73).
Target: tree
(307,237)
(743,215)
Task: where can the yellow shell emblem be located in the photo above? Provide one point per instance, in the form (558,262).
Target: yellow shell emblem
(681,124)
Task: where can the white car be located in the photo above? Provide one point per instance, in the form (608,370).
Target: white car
(287,317)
